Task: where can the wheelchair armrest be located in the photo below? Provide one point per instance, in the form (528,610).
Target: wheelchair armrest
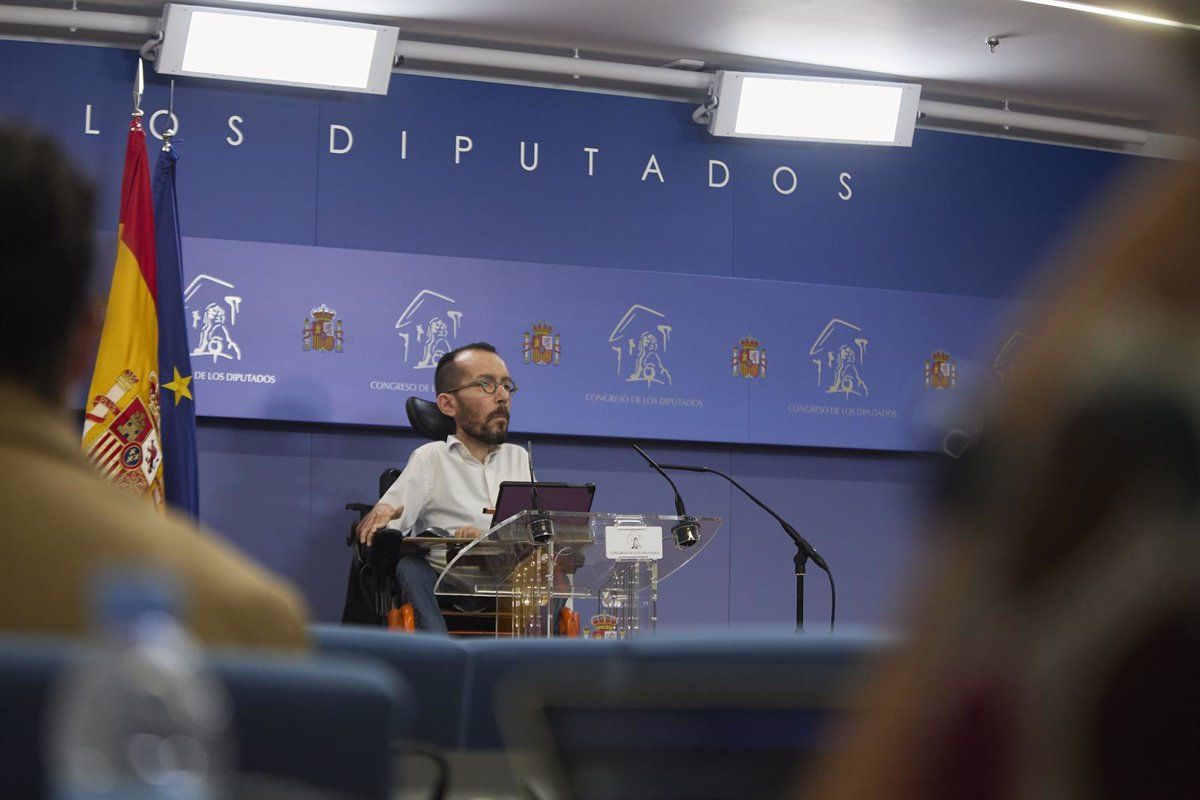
(384,551)
(363,509)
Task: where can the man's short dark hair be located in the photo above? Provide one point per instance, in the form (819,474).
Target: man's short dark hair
(45,258)
(449,374)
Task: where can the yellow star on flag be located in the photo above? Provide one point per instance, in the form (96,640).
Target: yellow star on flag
(179,386)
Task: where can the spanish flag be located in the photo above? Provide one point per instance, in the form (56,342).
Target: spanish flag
(121,428)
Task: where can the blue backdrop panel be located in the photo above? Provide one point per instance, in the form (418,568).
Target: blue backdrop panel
(847,367)
(953,213)
(407,193)
(332,335)
(257,483)
(264,188)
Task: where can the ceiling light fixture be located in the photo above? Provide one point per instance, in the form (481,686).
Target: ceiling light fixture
(279,49)
(1112,12)
(762,106)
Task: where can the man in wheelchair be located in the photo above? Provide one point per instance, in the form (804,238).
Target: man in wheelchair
(452,485)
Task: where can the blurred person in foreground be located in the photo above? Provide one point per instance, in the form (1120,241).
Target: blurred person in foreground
(62,523)
(1055,652)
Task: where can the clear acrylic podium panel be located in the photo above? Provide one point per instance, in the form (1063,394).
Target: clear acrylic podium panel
(607,565)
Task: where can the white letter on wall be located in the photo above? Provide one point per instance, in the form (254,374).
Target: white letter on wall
(333,148)
(844,179)
(403,145)
(462,144)
(154,118)
(527,167)
(591,151)
(652,166)
(775,180)
(87,121)
(238,131)
(712,162)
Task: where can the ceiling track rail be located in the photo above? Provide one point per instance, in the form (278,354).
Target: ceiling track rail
(566,71)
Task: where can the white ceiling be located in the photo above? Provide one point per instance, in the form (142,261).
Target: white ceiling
(1048,58)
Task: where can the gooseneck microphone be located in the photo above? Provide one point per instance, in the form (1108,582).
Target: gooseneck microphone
(804,550)
(686,532)
(541,526)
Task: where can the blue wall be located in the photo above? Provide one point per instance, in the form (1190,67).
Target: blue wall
(953,215)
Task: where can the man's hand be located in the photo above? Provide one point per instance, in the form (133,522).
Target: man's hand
(378,516)
(468,533)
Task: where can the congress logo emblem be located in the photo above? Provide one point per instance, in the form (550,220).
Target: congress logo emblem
(1006,361)
(322,332)
(639,342)
(214,310)
(838,353)
(749,359)
(541,345)
(429,327)
(940,371)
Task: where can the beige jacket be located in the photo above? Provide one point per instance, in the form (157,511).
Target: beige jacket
(60,522)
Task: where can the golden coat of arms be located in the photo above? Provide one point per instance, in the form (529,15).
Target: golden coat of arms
(322,332)
(940,371)
(127,451)
(541,345)
(749,359)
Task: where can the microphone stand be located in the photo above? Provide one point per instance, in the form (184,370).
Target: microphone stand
(804,550)
(540,526)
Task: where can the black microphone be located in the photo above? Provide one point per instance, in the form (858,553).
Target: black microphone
(541,526)
(686,532)
(796,537)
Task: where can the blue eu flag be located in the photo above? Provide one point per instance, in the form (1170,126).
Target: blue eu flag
(174,363)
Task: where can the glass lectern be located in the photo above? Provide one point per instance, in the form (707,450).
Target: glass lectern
(605,568)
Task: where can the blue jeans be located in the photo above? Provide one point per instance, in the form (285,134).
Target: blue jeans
(416,579)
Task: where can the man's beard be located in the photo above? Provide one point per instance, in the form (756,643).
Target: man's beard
(487,430)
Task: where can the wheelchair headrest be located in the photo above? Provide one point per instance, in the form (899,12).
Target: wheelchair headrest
(428,420)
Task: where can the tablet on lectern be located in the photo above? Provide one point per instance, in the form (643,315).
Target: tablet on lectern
(517,496)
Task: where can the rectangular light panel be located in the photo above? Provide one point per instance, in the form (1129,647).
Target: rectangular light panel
(275,48)
(815,109)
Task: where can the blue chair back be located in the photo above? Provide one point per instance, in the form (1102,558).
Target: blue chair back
(322,723)
(497,664)
(434,666)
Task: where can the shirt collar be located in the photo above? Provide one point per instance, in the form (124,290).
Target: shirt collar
(452,441)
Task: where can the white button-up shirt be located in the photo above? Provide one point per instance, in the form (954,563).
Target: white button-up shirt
(444,486)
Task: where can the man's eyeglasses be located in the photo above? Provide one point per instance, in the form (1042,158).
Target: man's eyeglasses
(489,385)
